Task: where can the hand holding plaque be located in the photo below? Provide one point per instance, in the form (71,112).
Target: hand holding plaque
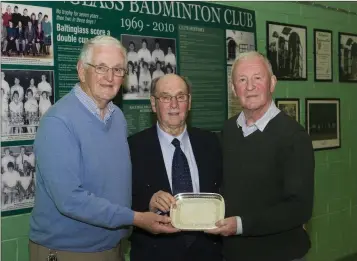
(161,201)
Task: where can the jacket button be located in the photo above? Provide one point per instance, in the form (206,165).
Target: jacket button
(148,185)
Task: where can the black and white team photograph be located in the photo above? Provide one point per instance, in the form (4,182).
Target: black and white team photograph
(348,57)
(287,50)
(26,96)
(26,34)
(148,58)
(17,177)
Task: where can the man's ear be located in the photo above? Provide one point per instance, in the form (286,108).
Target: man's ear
(81,71)
(273,82)
(189,102)
(153,103)
(233,90)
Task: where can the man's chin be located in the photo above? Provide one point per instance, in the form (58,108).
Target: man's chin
(252,106)
(107,96)
(175,125)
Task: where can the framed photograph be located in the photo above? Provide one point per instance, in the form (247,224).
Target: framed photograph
(348,57)
(323,122)
(18,179)
(26,48)
(290,106)
(148,58)
(238,42)
(323,55)
(287,50)
(26,96)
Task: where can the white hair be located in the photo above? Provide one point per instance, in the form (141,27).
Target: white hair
(252,54)
(87,50)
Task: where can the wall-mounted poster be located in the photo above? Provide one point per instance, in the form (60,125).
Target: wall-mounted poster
(17,177)
(187,38)
(26,34)
(287,50)
(348,57)
(290,106)
(323,55)
(323,122)
(26,96)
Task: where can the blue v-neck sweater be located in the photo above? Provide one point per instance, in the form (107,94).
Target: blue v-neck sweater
(83,179)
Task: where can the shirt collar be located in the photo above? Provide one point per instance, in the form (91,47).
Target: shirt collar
(263,121)
(91,105)
(167,138)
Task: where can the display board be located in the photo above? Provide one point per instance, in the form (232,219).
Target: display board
(198,40)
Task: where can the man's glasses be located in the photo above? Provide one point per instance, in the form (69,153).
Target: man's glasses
(168,98)
(102,69)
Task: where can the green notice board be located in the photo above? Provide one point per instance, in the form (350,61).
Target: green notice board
(198,40)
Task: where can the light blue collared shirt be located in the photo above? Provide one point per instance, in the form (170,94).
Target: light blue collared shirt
(259,124)
(91,105)
(168,150)
(247,130)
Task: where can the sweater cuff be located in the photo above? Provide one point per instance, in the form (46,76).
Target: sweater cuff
(125,217)
(239,226)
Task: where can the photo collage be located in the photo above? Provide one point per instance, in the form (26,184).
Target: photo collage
(27,92)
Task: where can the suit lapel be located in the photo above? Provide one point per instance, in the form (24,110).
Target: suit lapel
(199,157)
(158,164)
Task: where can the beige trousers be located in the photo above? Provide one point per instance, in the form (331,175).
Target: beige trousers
(41,253)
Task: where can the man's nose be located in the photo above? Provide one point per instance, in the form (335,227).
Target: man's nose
(110,75)
(173,102)
(250,85)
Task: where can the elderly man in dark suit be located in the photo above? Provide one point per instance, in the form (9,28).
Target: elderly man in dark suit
(171,158)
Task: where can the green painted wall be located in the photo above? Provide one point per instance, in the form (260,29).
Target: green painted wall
(333,228)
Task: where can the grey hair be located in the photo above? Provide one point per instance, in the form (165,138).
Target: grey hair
(252,54)
(87,51)
(155,81)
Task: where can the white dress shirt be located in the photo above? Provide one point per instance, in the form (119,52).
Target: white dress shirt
(132,81)
(132,57)
(157,73)
(168,150)
(6,87)
(20,91)
(145,55)
(34,90)
(145,77)
(247,130)
(159,55)
(170,58)
(5,160)
(43,106)
(44,87)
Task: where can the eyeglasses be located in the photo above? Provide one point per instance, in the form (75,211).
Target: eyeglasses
(102,69)
(168,98)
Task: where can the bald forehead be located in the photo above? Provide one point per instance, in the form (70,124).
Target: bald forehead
(257,59)
(170,77)
(171,82)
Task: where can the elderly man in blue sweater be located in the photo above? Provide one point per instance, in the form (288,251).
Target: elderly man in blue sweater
(83,187)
